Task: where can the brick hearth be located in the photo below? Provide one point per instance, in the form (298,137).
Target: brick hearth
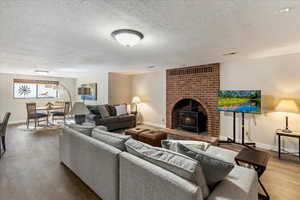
(200,83)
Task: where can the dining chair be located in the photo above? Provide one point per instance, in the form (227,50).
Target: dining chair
(33,114)
(3,126)
(63,113)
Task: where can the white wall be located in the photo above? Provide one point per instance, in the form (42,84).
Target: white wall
(277,77)
(151,88)
(18,106)
(119,88)
(102,87)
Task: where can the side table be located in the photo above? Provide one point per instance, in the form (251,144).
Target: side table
(282,133)
(258,160)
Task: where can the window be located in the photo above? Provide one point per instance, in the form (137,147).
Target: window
(29,89)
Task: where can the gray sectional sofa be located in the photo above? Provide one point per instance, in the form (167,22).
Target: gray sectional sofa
(115,174)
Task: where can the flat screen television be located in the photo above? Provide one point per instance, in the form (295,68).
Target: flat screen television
(247,101)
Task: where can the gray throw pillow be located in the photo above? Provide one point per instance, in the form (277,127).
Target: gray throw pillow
(84,129)
(114,139)
(177,163)
(103,111)
(215,169)
(173,144)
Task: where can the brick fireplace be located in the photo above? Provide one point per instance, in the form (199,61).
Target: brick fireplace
(197,84)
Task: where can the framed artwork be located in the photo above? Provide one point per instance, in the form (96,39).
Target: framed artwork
(93,95)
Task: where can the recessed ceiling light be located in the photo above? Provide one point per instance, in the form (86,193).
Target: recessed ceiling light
(127,37)
(285,10)
(151,67)
(41,72)
(230,53)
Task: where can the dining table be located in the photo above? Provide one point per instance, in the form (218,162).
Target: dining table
(48,109)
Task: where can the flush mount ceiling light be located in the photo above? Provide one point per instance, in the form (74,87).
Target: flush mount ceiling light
(127,37)
(285,10)
(41,72)
(230,53)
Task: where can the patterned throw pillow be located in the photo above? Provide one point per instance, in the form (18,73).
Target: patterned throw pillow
(121,109)
(103,111)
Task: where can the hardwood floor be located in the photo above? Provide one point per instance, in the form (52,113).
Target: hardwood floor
(30,169)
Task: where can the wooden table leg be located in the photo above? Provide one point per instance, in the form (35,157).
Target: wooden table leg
(299,147)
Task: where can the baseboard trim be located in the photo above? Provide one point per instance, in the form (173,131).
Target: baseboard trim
(16,122)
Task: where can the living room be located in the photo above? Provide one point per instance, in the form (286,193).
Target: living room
(150,75)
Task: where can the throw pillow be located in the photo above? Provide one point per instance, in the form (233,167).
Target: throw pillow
(93,109)
(121,109)
(84,129)
(103,111)
(173,144)
(114,139)
(215,169)
(111,109)
(177,163)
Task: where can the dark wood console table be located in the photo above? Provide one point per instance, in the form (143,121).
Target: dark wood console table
(259,161)
(282,133)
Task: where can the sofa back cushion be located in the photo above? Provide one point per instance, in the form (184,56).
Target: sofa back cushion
(84,129)
(215,169)
(114,139)
(103,111)
(177,163)
(94,109)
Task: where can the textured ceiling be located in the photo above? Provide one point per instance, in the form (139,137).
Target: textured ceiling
(72,37)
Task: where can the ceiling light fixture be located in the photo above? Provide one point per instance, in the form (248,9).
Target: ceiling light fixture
(127,37)
(285,10)
(41,72)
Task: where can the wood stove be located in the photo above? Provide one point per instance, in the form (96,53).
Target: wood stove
(189,115)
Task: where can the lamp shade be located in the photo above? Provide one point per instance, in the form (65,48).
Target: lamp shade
(79,108)
(286,105)
(136,100)
(84,91)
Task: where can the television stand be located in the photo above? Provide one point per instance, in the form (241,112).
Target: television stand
(233,140)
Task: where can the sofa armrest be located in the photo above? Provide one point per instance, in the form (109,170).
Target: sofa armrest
(140,179)
(240,184)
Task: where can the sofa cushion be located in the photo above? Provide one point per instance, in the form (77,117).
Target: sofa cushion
(177,163)
(94,109)
(215,169)
(103,128)
(173,144)
(240,184)
(103,111)
(124,118)
(114,139)
(224,154)
(110,120)
(121,109)
(84,129)
(111,109)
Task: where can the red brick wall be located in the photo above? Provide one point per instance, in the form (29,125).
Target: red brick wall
(200,83)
